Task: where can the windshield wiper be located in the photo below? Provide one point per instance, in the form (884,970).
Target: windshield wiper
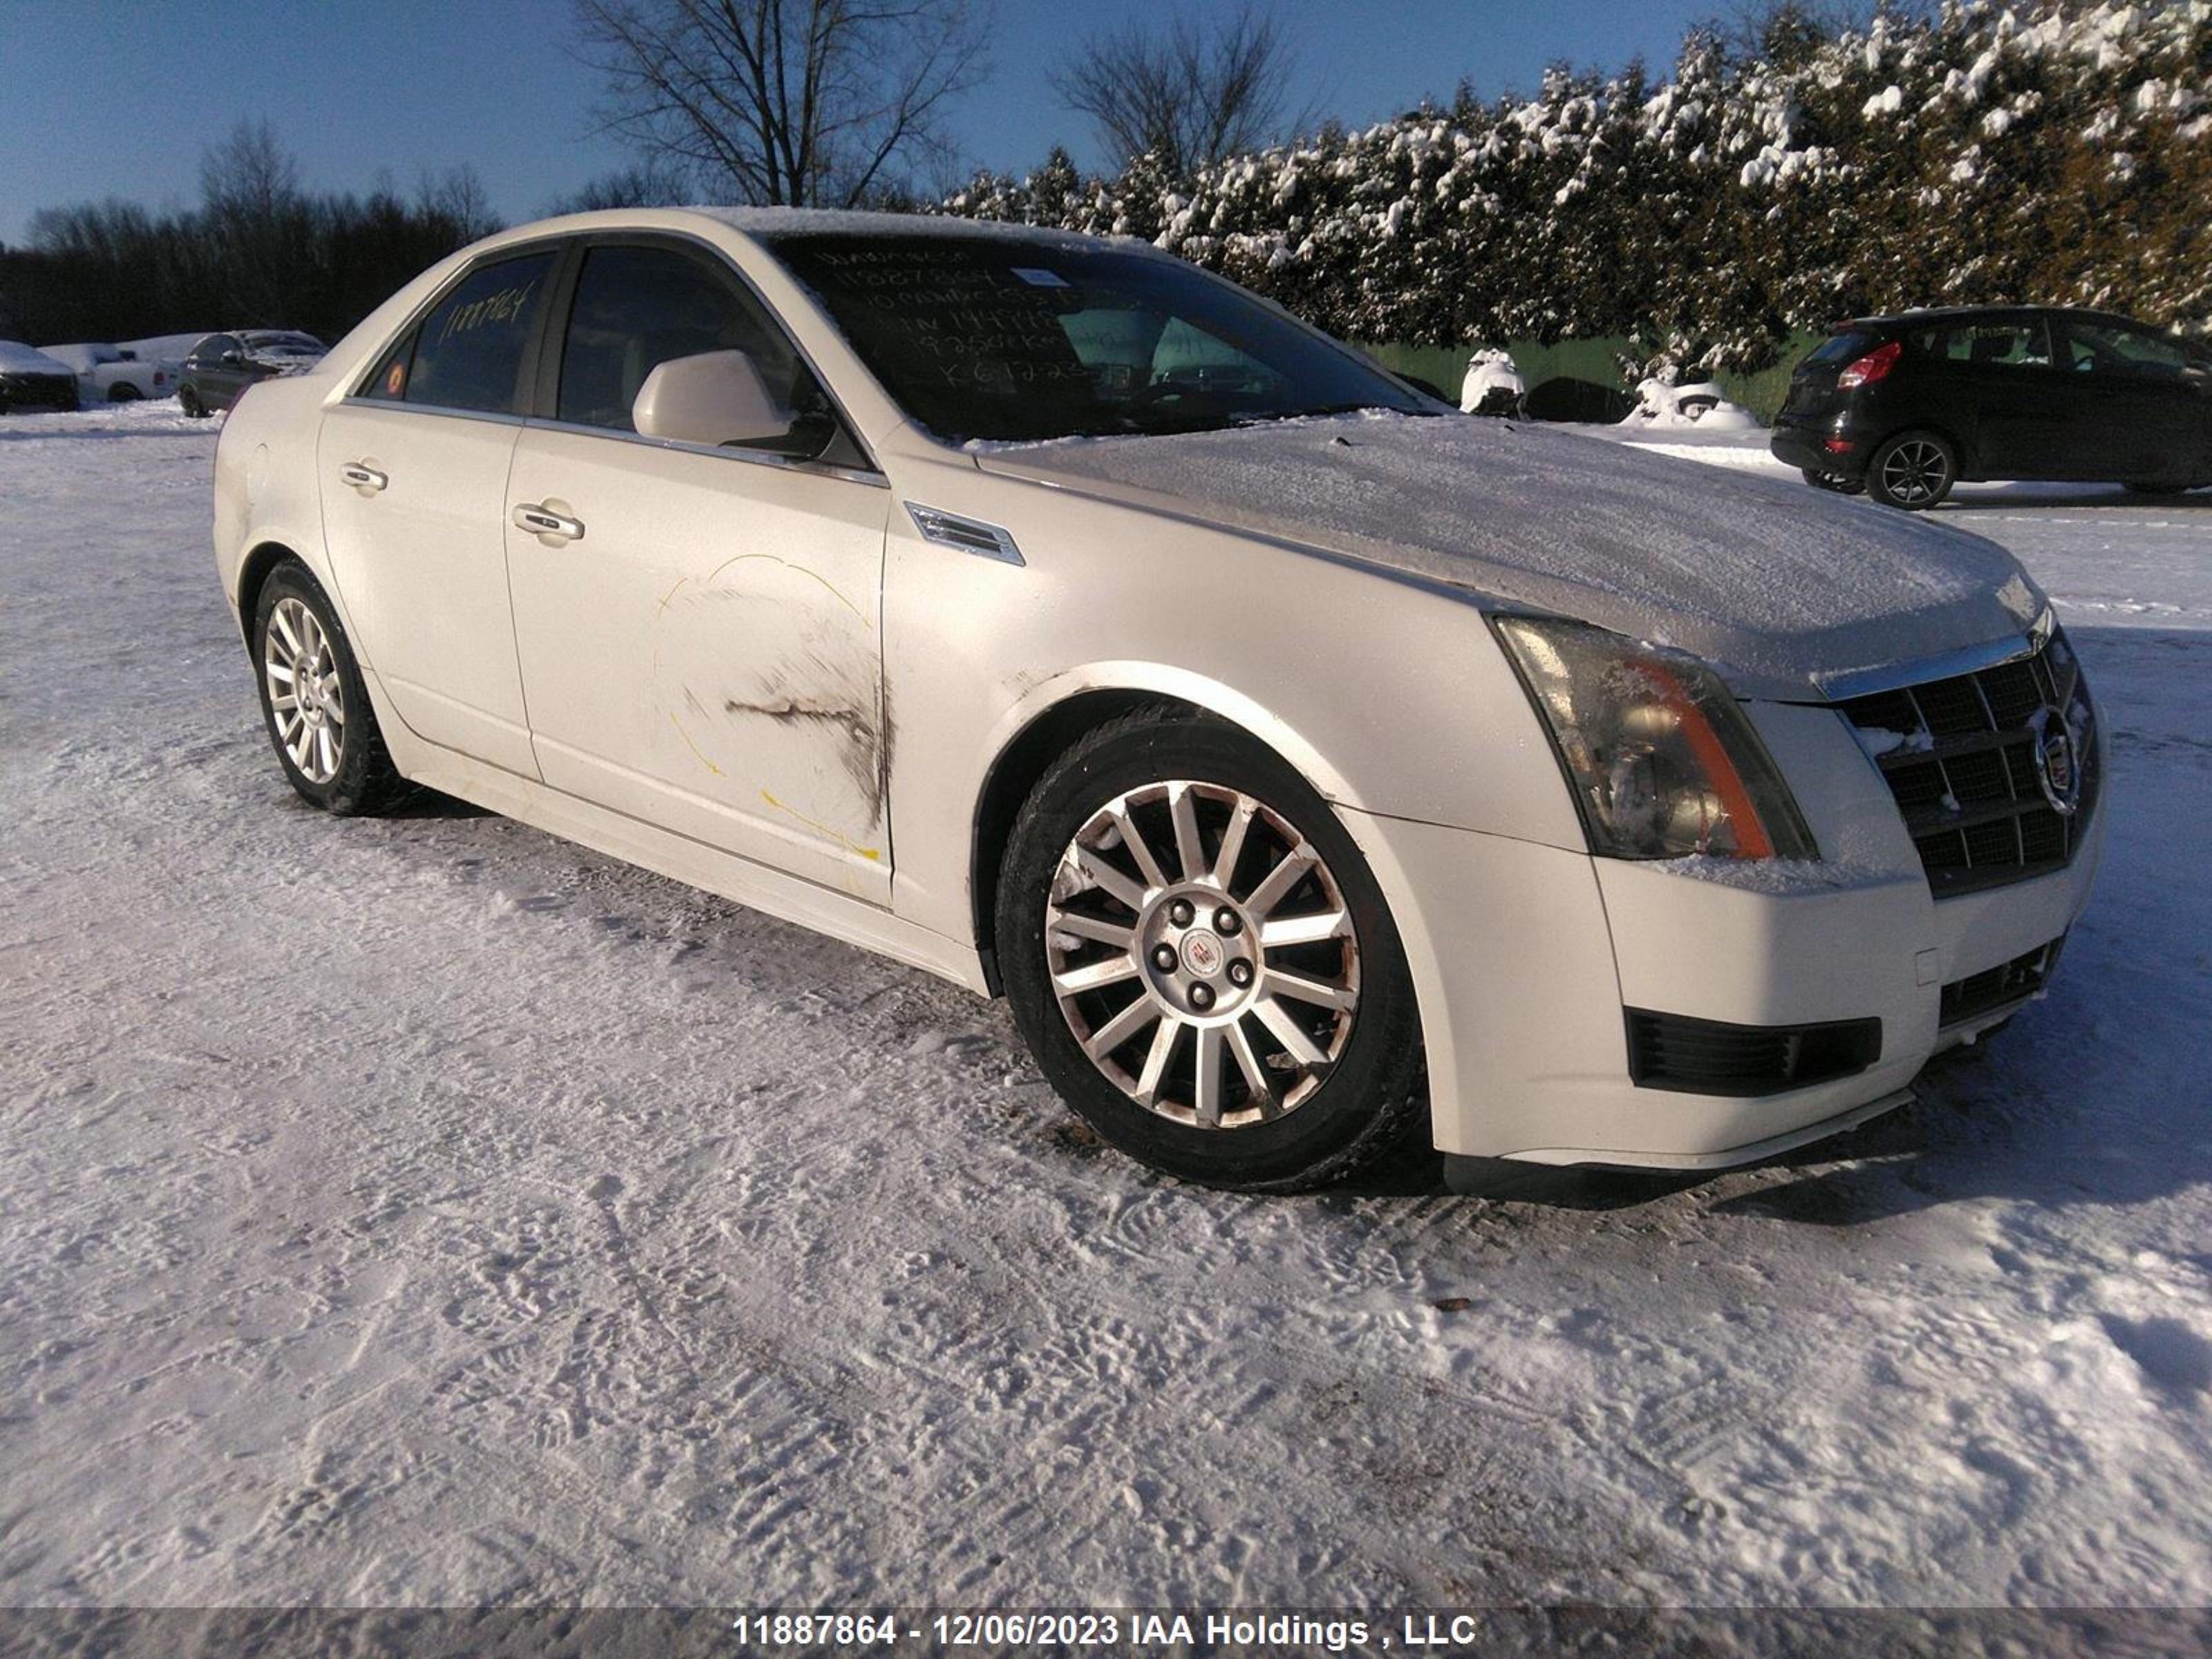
(1323,410)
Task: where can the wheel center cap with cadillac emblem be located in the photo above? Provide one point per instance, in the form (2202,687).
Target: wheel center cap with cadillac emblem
(2058,770)
(1202,954)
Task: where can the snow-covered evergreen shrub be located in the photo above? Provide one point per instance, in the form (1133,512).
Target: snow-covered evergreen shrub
(1999,151)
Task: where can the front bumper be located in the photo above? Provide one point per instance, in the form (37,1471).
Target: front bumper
(1525,970)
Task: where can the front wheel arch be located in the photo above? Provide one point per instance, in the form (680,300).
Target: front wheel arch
(1050,732)
(1006,786)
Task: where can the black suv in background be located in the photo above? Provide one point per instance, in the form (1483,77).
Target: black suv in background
(1905,407)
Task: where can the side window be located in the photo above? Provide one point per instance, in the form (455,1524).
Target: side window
(2109,349)
(2009,343)
(467,353)
(636,307)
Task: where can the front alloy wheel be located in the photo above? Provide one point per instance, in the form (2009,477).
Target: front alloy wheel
(1914,471)
(1216,982)
(1201,962)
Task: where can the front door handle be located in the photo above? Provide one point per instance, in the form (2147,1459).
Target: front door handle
(545,520)
(363,477)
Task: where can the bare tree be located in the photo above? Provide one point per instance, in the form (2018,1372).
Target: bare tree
(646,184)
(457,196)
(249,178)
(257,223)
(796,102)
(1191,96)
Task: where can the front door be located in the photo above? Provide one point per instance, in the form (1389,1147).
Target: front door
(699,635)
(217,371)
(413,473)
(2142,415)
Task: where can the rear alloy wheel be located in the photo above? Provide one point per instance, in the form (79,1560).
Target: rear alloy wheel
(1201,962)
(1835,483)
(1914,471)
(313,702)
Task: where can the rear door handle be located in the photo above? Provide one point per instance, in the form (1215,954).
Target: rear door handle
(364,477)
(549,526)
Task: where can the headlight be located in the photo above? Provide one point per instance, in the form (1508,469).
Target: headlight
(1660,760)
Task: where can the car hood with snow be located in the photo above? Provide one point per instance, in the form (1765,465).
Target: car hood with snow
(15,358)
(1784,593)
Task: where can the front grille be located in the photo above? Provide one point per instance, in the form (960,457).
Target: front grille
(1709,1057)
(1993,987)
(1961,756)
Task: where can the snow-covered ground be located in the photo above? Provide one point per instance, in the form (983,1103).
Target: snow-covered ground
(426,1211)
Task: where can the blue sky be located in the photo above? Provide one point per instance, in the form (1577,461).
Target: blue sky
(118,97)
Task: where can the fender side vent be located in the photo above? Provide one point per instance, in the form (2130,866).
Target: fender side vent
(968,535)
(1709,1057)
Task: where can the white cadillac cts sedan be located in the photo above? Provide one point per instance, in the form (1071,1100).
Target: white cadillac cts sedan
(1307,763)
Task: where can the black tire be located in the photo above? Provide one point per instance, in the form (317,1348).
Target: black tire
(122,392)
(1365,1106)
(1834,482)
(364,782)
(1913,471)
(189,401)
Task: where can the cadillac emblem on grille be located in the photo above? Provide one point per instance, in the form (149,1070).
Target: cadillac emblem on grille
(2055,769)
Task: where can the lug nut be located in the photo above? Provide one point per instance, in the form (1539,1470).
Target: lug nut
(1180,912)
(1201,997)
(1163,957)
(1226,923)
(1240,973)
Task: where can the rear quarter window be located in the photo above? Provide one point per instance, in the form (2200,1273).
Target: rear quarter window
(1842,348)
(467,353)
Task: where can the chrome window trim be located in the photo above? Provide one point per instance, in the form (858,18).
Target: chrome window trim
(1945,665)
(496,416)
(583,241)
(721,452)
(555,246)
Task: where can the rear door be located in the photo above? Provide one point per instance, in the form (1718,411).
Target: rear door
(1993,385)
(2143,414)
(704,651)
(414,469)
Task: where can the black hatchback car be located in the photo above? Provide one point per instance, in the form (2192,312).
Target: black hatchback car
(1905,407)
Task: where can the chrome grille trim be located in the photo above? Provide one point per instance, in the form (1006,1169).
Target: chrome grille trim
(1960,757)
(1946,665)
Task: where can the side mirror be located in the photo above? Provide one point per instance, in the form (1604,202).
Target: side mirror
(234,360)
(716,398)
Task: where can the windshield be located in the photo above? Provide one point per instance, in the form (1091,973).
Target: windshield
(1009,340)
